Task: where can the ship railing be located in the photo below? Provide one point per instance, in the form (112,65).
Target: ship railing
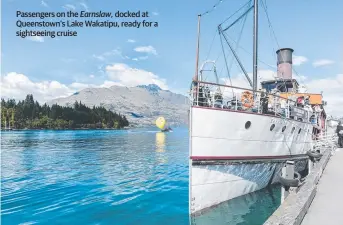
(227,97)
(326,140)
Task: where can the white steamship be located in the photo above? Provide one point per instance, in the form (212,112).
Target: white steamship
(240,138)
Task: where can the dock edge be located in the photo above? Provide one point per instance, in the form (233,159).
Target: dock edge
(294,208)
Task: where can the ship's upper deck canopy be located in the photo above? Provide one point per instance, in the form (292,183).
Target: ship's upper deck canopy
(290,87)
(284,85)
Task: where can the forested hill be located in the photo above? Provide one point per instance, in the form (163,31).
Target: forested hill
(31,115)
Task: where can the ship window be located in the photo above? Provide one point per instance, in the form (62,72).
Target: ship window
(247,125)
(293,129)
(272,127)
(299,130)
(284,128)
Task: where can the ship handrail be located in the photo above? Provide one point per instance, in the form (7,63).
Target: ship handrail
(277,105)
(240,88)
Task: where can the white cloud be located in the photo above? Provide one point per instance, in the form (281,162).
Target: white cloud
(241,81)
(105,55)
(155,13)
(17,86)
(69,7)
(80,86)
(140,58)
(43,3)
(85,6)
(322,62)
(264,75)
(35,38)
(299,78)
(99,57)
(298,60)
(108,84)
(332,88)
(131,41)
(146,49)
(128,76)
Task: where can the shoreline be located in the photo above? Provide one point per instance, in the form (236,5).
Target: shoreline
(27,129)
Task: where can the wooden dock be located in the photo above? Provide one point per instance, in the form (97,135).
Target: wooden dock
(318,200)
(326,207)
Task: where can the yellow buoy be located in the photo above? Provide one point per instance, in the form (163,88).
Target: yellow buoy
(160,122)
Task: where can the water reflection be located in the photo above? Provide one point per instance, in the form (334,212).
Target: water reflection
(88,177)
(109,177)
(160,148)
(160,141)
(252,209)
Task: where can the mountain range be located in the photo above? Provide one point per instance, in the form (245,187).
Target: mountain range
(142,104)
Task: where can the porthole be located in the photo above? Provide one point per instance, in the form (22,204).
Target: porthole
(293,129)
(299,131)
(272,127)
(284,128)
(247,125)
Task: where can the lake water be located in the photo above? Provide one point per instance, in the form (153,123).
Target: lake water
(109,177)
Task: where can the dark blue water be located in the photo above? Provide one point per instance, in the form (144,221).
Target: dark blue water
(108,177)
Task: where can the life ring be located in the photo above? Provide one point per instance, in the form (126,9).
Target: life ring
(247,99)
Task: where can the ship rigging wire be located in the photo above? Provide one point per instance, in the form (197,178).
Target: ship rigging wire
(264,5)
(272,33)
(216,30)
(236,48)
(227,68)
(213,8)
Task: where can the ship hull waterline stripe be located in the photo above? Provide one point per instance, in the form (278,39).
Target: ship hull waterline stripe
(204,158)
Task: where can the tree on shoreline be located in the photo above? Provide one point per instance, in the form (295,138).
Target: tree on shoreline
(31,115)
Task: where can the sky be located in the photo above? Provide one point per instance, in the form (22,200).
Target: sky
(165,55)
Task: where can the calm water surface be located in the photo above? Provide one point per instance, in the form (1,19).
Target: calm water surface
(109,177)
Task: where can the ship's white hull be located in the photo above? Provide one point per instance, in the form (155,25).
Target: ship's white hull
(227,160)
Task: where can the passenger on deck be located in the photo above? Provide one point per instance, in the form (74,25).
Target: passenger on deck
(307,100)
(264,101)
(218,100)
(283,106)
(201,96)
(235,104)
(300,101)
(207,95)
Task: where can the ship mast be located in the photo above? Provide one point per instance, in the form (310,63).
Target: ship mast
(195,78)
(255,45)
